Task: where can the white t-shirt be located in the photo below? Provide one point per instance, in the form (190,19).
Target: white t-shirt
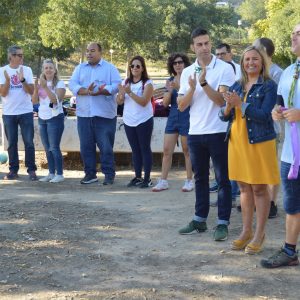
(283,90)
(17,101)
(45,112)
(134,113)
(204,112)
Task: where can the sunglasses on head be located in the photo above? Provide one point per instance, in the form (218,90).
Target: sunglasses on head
(135,66)
(179,62)
(18,54)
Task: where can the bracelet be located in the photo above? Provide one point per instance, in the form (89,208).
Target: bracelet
(23,80)
(130,94)
(204,83)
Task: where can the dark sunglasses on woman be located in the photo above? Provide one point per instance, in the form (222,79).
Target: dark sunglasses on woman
(179,62)
(137,66)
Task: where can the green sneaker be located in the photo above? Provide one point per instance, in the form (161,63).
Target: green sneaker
(221,233)
(192,227)
(280,259)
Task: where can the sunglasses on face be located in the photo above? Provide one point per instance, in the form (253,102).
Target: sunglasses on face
(221,54)
(135,66)
(18,54)
(179,62)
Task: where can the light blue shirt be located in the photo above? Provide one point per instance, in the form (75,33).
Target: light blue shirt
(100,74)
(275,72)
(284,87)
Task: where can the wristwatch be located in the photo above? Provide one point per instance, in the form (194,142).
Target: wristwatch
(204,83)
(130,94)
(23,80)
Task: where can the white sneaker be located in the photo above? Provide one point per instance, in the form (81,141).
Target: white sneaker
(188,185)
(47,178)
(57,178)
(162,184)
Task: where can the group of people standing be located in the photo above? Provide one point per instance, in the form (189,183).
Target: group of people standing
(231,122)
(222,111)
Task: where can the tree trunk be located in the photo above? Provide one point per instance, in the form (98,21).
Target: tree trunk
(39,65)
(83,50)
(128,57)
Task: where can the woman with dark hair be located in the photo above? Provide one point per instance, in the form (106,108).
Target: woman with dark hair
(136,93)
(177,124)
(49,92)
(252,159)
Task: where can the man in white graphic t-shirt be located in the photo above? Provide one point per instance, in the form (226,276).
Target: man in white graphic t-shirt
(16,88)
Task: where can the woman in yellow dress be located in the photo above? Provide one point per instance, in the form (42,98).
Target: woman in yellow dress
(252,159)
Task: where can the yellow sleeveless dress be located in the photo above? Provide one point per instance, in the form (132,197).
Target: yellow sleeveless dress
(251,163)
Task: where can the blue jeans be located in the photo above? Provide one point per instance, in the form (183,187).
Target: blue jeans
(201,148)
(51,132)
(291,190)
(98,131)
(11,123)
(234,189)
(139,138)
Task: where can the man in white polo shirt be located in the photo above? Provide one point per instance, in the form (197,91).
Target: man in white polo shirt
(16,88)
(201,88)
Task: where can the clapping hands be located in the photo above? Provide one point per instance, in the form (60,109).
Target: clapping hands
(43,81)
(193,81)
(122,91)
(232,99)
(172,85)
(20,74)
(6,76)
(280,113)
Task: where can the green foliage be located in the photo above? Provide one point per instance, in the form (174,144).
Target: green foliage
(16,22)
(69,23)
(20,26)
(153,28)
(282,16)
(252,10)
(180,18)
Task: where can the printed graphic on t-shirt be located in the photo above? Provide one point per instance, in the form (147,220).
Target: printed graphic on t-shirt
(15,82)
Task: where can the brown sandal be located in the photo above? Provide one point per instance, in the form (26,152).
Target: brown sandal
(240,244)
(254,248)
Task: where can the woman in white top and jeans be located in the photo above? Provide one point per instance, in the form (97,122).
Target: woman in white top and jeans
(136,93)
(49,92)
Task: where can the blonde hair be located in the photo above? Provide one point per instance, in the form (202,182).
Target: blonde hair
(55,77)
(265,66)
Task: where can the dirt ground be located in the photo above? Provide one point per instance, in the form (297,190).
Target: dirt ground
(72,241)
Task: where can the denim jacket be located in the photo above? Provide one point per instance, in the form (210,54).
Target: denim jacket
(257,110)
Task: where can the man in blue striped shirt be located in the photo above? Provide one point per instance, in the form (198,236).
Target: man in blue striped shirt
(94,83)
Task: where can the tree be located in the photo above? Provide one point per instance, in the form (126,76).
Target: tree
(16,24)
(73,23)
(180,18)
(252,10)
(282,16)
(138,29)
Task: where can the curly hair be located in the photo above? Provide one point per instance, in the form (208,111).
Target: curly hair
(171,60)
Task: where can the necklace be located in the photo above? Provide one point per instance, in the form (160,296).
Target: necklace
(293,85)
